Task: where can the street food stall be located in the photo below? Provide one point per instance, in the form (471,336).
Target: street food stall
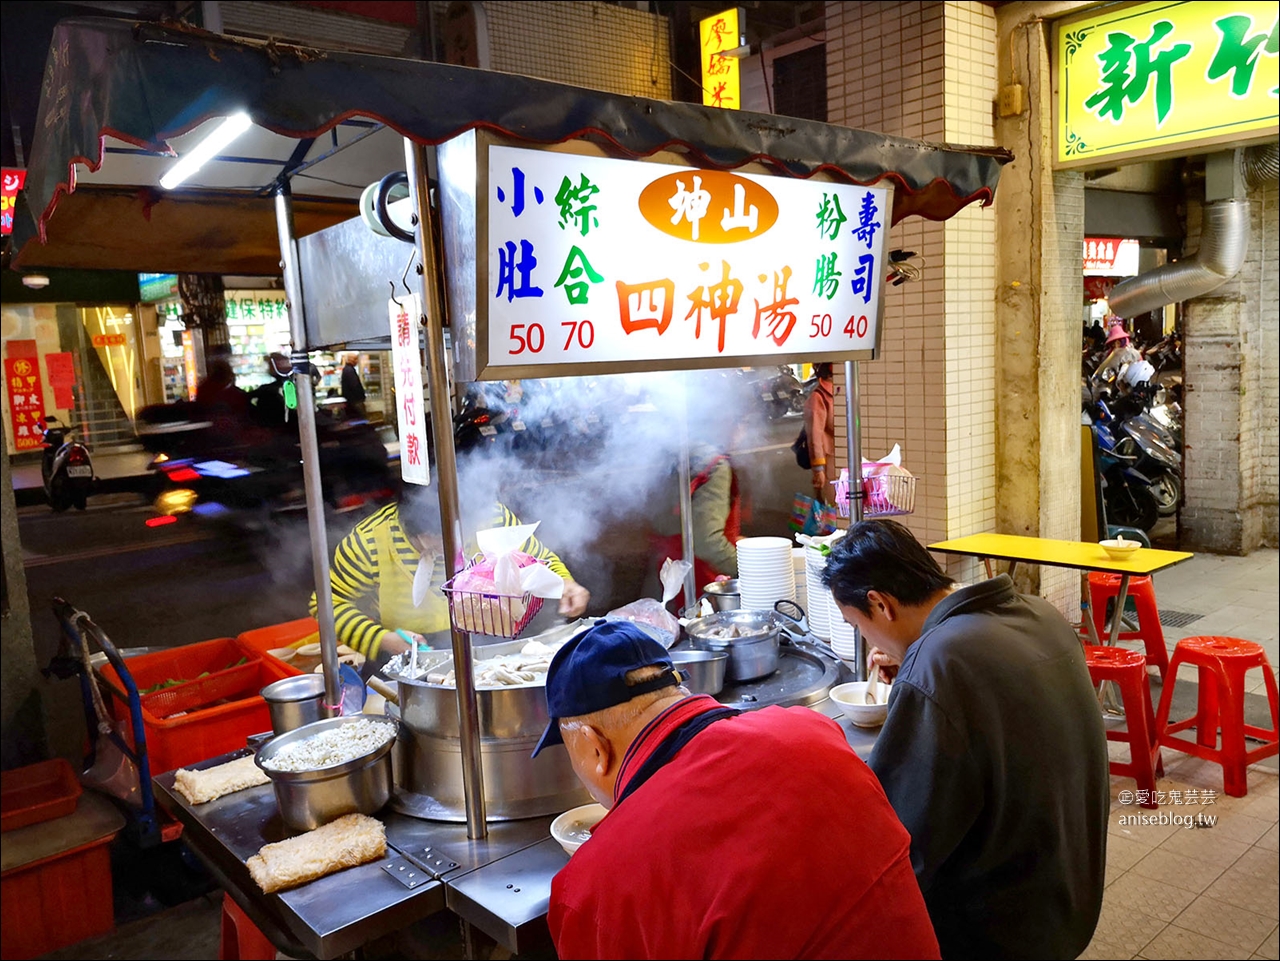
(547,231)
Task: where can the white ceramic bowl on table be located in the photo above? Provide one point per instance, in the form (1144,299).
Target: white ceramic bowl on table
(572,829)
(851,699)
(1120,550)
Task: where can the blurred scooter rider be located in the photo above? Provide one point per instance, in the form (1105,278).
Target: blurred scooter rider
(1122,353)
(268,403)
(388,572)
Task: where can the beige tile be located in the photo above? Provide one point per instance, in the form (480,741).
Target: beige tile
(1261,806)
(1238,827)
(1176,944)
(1250,884)
(1227,923)
(1270,947)
(1123,853)
(1101,951)
(1204,846)
(1271,840)
(1187,873)
(1148,896)
(1128,932)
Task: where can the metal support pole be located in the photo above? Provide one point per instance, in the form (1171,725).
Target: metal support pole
(853,427)
(310,449)
(415,157)
(686,499)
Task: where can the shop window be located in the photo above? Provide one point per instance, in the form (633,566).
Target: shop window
(800,84)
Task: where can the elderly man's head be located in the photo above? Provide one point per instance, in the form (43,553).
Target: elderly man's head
(603,687)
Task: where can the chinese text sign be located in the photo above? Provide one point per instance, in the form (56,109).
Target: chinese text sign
(721,83)
(26,401)
(1142,80)
(12,179)
(593,260)
(411,413)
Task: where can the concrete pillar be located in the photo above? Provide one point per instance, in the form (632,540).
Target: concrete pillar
(1040,223)
(1230,351)
(22,728)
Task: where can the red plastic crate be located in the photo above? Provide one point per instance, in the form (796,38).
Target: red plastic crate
(39,792)
(204,731)
(288,634)
(57,901)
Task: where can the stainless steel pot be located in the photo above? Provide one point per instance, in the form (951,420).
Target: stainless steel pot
(753,652)
(428,751)
(723,595)
(296,701)
(308,799)
(704,671)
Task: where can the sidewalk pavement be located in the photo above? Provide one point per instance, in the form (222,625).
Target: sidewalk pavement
(113,464)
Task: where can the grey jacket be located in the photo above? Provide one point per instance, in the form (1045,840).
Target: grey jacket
(994,756)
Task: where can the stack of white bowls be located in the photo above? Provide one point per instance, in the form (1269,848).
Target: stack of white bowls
(819,597)
(766,573)
(802,581)
(843,641)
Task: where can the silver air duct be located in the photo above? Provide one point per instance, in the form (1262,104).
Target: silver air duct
(1224,240)
(1261,164)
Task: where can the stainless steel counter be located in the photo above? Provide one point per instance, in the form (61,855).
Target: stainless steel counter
(501,885)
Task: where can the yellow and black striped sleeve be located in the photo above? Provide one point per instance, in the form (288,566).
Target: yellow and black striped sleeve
(504,517)
(354,579)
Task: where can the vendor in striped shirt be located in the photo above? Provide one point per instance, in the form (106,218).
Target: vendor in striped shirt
(388,572)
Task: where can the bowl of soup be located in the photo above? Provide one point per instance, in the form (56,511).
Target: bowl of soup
(573,828)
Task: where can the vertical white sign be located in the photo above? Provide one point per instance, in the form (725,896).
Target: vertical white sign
(411,412)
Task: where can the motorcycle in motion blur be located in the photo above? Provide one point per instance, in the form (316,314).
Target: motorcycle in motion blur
(66,468)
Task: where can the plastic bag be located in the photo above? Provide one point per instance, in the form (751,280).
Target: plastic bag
(649,611)
(812,517)
(490,596)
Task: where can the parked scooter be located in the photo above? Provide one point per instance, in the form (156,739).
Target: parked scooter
(780,391)
(1126,491)
(66,468)
(1156,458)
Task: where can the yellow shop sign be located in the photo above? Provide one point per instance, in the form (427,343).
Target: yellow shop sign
(1156,79)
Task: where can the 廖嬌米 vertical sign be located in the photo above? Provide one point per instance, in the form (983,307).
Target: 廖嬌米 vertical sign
(1159,78)
(721,71)
(411,412)
(595,261)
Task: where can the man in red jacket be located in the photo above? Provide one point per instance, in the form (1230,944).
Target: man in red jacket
(729,834)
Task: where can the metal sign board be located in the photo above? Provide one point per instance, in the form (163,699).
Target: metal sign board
(1161,79)
(592,264)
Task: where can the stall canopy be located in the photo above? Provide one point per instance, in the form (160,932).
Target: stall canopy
(122,98)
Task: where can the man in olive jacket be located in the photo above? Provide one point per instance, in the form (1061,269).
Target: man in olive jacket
(993,753)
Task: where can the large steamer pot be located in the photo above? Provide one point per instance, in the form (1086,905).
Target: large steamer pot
(752,654)
(296,701)
(308,799)
(428,751)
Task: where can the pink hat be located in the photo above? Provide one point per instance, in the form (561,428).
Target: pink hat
(1117,333)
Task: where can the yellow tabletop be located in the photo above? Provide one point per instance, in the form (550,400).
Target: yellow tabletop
(1074,554)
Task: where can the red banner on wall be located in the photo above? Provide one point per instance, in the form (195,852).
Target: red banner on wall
(62,377)
(26,401)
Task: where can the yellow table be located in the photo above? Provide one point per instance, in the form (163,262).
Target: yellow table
(1073,554)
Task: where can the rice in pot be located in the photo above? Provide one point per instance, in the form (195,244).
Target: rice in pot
(331,747)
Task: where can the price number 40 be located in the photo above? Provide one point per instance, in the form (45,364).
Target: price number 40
(820,326)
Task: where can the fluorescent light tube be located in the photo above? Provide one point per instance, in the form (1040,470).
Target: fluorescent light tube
(206,149)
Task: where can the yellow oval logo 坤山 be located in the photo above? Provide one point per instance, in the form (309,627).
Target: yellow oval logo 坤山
(708,206)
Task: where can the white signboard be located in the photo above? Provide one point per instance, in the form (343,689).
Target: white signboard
(600,261)
(406,361)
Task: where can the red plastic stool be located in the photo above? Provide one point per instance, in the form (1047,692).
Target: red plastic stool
(241,940)
(1103,587)
(1222,663)
(1128,671)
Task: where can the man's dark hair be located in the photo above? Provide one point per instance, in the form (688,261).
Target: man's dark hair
(882,556)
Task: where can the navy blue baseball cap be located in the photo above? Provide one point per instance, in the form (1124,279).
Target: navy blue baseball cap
(589,673)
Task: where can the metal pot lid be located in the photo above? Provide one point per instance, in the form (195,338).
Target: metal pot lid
(750,625)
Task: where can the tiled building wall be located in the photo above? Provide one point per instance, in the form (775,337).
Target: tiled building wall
(596,45)
(1231,465)
(927,70)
